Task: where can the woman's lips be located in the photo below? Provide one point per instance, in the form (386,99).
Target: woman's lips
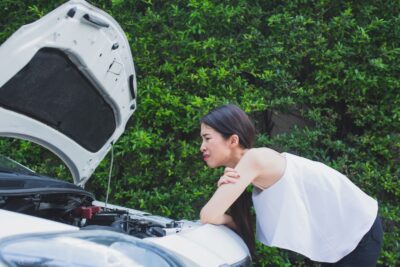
(205,157)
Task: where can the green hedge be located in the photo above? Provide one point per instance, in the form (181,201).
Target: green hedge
(336,63)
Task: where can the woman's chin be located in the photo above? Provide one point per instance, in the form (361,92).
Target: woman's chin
(212,165)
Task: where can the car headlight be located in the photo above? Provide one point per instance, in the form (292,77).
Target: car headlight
(82,248)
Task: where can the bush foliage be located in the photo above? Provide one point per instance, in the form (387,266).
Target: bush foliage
(336,63)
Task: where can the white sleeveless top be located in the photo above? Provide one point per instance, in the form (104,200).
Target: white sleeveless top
(313,210)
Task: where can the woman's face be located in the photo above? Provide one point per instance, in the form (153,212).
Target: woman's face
(215,148)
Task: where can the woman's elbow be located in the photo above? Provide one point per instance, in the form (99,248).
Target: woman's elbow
(205,216)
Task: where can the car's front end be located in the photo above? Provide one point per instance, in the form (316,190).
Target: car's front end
(68,83)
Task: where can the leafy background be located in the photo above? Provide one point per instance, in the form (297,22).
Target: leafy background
(333,65)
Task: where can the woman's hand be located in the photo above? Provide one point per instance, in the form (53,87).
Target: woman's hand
(230,177)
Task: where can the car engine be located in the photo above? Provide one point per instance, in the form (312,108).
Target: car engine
(78,210)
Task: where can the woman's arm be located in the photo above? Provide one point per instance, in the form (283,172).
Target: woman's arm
(263,164)
(248,169)
(227,220)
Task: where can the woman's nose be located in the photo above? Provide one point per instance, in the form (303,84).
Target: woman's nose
(202,147)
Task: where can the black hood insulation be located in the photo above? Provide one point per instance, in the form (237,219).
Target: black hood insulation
(52,89)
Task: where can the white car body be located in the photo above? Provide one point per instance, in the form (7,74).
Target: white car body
(94,50)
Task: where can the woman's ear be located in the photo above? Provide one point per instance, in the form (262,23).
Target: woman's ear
(234,139)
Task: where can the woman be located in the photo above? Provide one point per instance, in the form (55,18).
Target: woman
(300,205)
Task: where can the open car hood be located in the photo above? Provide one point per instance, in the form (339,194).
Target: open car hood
(67,82)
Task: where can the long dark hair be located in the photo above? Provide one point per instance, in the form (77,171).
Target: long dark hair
(229,120)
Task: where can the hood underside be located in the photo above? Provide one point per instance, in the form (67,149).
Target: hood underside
(67,82)
(52,90)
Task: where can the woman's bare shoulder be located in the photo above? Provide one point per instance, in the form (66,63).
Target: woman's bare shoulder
(265,154)
(271,165)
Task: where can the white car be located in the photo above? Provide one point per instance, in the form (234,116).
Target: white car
(67,83)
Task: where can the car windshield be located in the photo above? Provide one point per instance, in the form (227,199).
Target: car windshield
(11,166)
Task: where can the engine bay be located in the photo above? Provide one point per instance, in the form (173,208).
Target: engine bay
(60,201)
(78,210)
